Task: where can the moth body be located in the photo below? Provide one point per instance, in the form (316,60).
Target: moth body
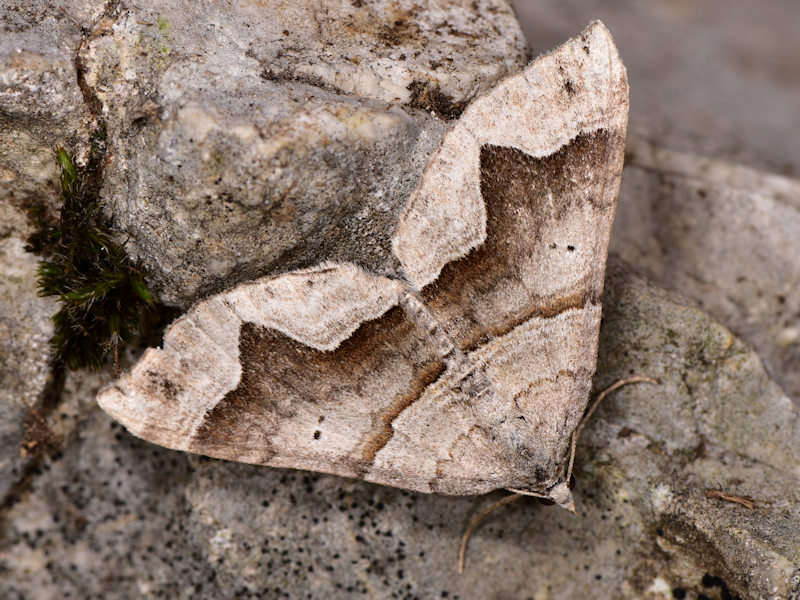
(470,370)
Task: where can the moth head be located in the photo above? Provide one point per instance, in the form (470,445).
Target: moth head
(562,495)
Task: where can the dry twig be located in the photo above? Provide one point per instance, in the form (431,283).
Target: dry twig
(745,501)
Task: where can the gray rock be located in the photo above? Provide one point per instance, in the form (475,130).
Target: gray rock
(102,519)
(118,518)
(41,103)
(716,78)
(25,373)
(41,107)
(724,235)
(717,421)
(241,150)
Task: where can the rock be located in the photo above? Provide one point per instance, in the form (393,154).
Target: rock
(169,525)
(41,103)
(102,519)
(715,79)
(238,151)
(42,107)
(25,372)
(726,236)
(717,421)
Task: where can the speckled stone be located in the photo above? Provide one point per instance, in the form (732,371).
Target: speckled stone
(41,103)
(115,517)
(25,372)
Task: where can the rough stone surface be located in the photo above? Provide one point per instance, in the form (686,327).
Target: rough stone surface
(722,234)
(247,141)
(41,104)
(723,424)
(25,329)
(119,518)
(41,107)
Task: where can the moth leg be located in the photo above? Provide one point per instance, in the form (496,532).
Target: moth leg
(516,495)
(462,551)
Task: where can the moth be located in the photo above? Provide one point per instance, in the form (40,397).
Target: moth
(466,374)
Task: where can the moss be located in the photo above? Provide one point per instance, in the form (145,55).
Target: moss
(156,42)
(102,292)
(430,98)
(163,26)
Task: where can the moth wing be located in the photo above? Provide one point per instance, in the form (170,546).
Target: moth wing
(539,158)
(319,369)
(171,392)
(579,88)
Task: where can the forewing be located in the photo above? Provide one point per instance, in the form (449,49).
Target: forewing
(506,239)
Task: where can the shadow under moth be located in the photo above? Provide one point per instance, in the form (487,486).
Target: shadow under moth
(471,371)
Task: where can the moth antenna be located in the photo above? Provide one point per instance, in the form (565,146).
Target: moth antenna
(595,403)
(477,520)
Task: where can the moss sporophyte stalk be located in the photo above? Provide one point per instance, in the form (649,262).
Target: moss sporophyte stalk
(102,292)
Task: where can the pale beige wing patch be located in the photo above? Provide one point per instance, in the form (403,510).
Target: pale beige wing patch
(580,87)
(166,396)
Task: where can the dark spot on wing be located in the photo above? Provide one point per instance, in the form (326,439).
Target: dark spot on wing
(526,197)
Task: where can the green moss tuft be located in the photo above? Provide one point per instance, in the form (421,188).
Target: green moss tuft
(102,292)
(163,26)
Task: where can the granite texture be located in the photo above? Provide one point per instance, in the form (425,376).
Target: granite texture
(25,372)
(724,235)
